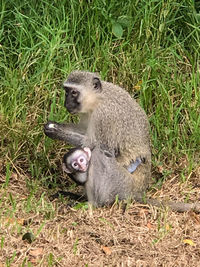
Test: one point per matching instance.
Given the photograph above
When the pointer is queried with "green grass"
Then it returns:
(155, 43)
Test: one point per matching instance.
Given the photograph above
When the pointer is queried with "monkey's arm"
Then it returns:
(70, 133)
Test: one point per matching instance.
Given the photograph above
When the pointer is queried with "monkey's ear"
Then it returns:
(65, 168)
(88, 152)
(97, 84)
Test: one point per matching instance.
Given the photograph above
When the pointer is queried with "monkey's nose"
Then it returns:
(83, 167)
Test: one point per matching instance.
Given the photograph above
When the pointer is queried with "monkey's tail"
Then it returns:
(175, 206)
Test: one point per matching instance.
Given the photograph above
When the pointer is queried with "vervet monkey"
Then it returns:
(100, 174)
(105, 180)
(109, 118)
(76, 162)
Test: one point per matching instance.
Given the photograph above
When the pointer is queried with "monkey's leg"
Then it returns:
(69, 133)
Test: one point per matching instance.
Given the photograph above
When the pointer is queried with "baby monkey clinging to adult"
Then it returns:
(76, 162)
(104, 179)
(98, 171)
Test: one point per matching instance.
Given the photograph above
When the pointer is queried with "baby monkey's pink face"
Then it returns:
(77, 161)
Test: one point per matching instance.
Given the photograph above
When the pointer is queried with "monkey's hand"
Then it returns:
(110, 153)
(87, 142)
(65, 132)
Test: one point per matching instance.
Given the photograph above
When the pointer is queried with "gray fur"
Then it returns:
(105, 180)
(114, 120)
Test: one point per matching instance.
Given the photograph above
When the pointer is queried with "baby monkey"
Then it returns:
(104, 179)
(76, 163)
(100, 174)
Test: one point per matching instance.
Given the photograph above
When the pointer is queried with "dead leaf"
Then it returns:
(36, 252)
(189, 242)
(14, 176)
(20, 221)
(160, 169)
(167, 227)
(194, 217)
(9, 221)
(143, 212)
(14, 221)
(137, 87)
(33, 260)
(150, 226)
(106, 250)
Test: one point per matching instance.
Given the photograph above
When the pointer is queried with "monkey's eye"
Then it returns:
(75, 165)
(82, 160)
(74, 93)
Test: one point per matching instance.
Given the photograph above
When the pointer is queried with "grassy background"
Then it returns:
(151, 48)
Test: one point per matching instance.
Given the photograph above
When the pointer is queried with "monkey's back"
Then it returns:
(121, 124)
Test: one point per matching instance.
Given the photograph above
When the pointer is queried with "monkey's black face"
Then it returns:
(72, 103)
(81, 92)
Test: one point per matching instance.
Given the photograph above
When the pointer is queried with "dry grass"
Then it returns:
(122, 235)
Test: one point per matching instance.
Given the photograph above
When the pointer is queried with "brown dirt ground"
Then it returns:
(131, 235)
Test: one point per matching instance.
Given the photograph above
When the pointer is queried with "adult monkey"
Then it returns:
(109, 118)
